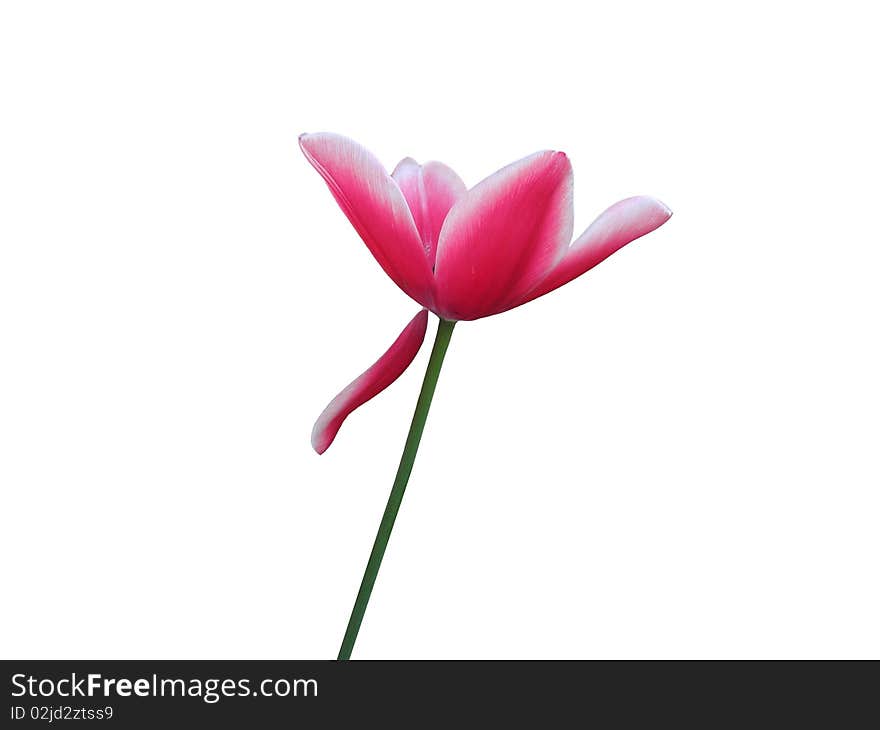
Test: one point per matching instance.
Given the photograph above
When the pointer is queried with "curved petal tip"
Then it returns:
(662, 209)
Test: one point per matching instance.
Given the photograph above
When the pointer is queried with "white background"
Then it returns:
(674, 456)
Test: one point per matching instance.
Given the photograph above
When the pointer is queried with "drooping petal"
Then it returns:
(374, 204)
(622, 223)
(430, 191)
(379, 376)
(503, 236)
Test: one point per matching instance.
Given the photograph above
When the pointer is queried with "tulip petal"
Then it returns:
(379, 376)
(619, 225)
(502, 237)
(430, 191)
(374, 204)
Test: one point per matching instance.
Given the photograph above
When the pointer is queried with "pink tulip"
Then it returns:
(462, 254)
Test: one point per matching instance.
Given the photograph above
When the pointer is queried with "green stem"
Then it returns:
(423, 405)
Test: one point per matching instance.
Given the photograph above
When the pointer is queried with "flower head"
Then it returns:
(463, 254)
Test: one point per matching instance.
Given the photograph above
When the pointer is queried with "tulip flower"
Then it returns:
(463, 255)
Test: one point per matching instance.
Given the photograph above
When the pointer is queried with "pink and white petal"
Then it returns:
(619, 225)
(443, 189)
(430, 190)
(502, 237)
(379, 376)
(406, 174)
(376, 208)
